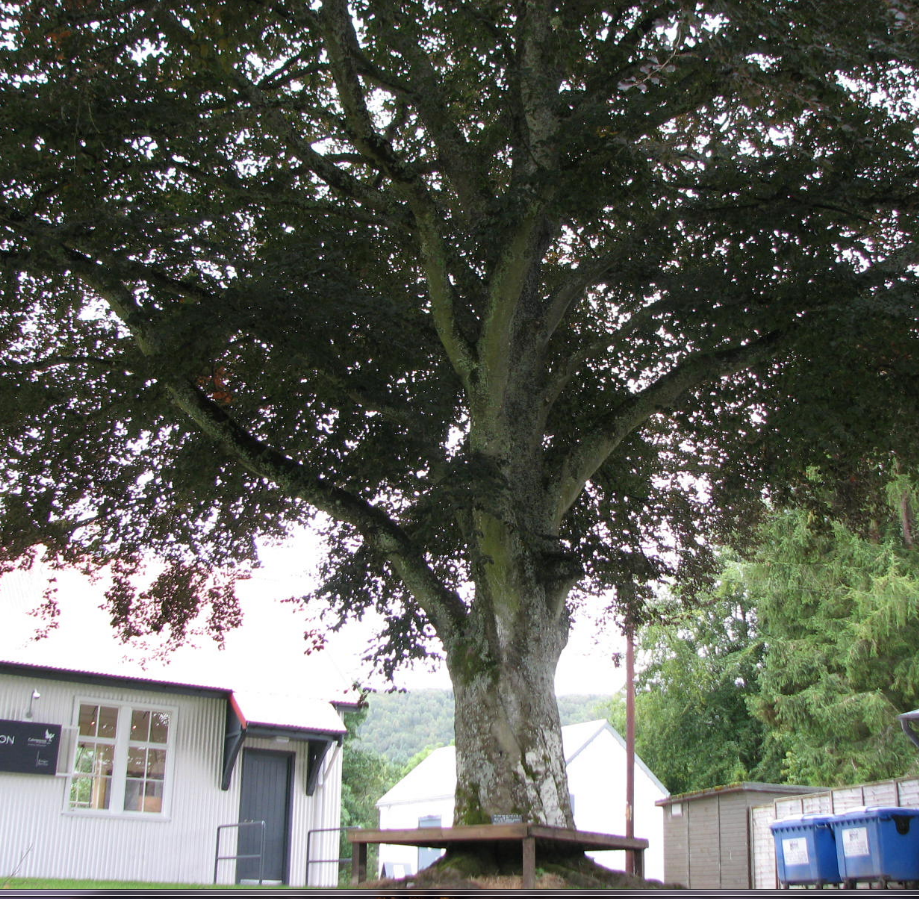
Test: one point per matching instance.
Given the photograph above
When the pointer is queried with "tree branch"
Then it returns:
(539, 81)
(588, 456)
(46, 364)
(589, 274)
(510, 284)
(342, 46)
(442, 606)
(365, 208)
(320, 165)
(86, 264)
(513, 320)
(466, 169)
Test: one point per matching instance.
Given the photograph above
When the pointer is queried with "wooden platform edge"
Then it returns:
(528, 835)
(440, 837)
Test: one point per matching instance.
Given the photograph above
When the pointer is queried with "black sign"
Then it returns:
(29, 748)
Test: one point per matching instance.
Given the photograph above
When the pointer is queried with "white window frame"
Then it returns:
(121, 743)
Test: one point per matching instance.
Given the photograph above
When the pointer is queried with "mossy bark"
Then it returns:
(509, 752)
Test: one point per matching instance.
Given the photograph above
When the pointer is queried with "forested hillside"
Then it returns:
(400, 725)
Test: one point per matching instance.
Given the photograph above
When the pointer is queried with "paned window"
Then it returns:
(91, 786)
(121, 761)
(146, 761)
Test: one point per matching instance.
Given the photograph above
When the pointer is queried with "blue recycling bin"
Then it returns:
(805, 849)
(878, 844)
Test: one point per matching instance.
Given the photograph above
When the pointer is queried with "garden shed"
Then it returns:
(120, 777)
(595, 756)
(707, 834)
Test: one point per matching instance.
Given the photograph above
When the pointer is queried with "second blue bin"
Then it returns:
(877, 844)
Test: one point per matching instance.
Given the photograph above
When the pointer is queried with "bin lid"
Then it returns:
(868, 812)
(813, 819)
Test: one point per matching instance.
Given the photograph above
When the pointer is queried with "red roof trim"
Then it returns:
(238, 712)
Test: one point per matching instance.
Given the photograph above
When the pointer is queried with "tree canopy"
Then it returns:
(524, 296)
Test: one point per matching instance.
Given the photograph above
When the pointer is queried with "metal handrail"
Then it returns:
(321, 861)
(261, 853)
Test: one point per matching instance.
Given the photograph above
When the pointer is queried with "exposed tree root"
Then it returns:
(467, 871)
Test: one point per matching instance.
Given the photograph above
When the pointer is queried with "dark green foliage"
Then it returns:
(795, 668)
(840, 622)
(723, 213)
(366, 776)
(401, 725)
(576, 708)
(524, 297)
(693, 724)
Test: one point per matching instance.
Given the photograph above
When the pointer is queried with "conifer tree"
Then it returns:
(839, 615)
(700, 672)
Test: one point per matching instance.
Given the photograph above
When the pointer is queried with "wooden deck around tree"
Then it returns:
(532, 838)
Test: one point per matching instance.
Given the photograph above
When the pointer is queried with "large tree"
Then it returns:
(527, 297)
(796, 666)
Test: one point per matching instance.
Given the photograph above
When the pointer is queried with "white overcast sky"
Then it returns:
(266, 652)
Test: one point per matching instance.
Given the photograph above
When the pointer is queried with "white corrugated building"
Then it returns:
(119, 777)
(595, 755)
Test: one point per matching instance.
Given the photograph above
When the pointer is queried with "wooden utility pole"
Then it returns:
(630, 742)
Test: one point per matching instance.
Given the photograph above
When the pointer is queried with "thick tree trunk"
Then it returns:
(508, 734)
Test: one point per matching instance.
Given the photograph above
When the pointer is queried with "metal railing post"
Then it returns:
(320, 861)
(261, 853)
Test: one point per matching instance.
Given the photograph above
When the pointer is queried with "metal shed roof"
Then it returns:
(279, 710)
(745, 787)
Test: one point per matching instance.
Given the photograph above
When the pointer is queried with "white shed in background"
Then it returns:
(595, 755)
(120, 777)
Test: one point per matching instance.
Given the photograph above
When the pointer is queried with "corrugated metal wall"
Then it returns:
(40, 837)
(889, 793)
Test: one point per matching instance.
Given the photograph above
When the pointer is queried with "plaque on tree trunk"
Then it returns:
(506, 819)
(29, 748)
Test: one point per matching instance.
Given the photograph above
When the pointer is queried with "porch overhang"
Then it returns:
(239, 729)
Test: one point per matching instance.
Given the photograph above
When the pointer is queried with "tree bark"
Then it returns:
(509, 756)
